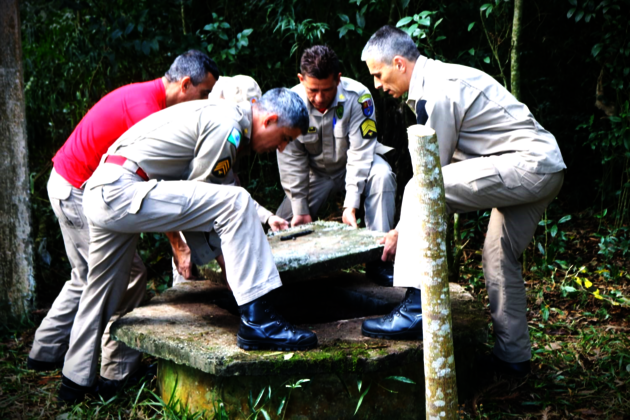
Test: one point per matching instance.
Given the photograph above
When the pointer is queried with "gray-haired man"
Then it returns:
(191, 76)
(494, 154)
(165, 174)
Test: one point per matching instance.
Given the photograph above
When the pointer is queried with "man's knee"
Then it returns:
(240, 199)
(382, 179)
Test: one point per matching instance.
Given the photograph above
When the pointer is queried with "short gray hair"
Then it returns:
(193, 64)
(289, 107)
(388, 42)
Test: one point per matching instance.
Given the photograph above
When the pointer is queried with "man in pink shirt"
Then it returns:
(191, 76)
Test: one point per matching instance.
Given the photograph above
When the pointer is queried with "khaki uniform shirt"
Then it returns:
(473, 116)
(195, 141)
(340, 141)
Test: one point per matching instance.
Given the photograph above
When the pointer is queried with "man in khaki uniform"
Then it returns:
(165, 174)
(339, 151)
(494, 154)
(204, 247)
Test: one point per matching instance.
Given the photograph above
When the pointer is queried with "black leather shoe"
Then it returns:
(403, 323)
(263, 328)
(107, 388)
(381, 273)
(515, 370)
(41, 366)
(71, 393)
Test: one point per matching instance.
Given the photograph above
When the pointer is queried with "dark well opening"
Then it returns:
(334, 297)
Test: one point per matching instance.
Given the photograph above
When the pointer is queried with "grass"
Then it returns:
(579, 327)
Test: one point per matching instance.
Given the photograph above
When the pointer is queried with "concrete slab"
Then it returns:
(196, 324)
(192, 329)
(331, 246)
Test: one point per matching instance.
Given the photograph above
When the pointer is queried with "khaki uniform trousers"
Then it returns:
(518, 199)
(119, 205)
(379, 193)
(53, 335)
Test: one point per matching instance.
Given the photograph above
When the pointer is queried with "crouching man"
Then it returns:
(339, 152)
(165, 174)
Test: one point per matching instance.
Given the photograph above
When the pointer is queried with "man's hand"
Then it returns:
(391, 241)
(350, 217)
(181, 255)
(277, 223)
(301, 219)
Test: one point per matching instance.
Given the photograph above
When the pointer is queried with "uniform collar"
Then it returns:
(416, 84)
(340, 97)
(246, 121)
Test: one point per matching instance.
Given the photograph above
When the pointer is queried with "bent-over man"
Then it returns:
(165, 174)
(494, 154)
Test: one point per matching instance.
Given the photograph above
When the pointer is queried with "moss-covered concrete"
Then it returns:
(324, 396)
(195, 325)
(193, 332)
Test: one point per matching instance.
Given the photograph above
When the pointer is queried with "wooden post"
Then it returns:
(421, 257)
(16, 270)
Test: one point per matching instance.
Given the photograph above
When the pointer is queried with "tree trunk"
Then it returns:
(421, 257)
(16, 269)
(515, 73)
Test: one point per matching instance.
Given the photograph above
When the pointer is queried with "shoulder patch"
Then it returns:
(367, 104)
(311, 130)
(339, 112)
(235, 137)
(342, 97)
(368, 129)
(222, 168)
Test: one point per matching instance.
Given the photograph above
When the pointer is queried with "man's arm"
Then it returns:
(362, 144)
(293, 165)
(181, 255)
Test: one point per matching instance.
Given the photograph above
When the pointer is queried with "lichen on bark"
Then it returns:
(421, 259)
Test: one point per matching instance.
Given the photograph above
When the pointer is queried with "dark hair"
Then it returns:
(194, 64)
(388, 42)
(287, 105)
(319, 61)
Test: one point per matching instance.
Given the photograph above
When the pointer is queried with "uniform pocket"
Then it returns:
(72, 213)
(140, 194)
(312, 144)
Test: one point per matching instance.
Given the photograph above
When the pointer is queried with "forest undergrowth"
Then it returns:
(578, 283)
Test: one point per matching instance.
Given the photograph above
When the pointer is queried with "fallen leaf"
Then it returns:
(553, 346)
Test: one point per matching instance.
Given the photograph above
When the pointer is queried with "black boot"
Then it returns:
(262, 328)
(381, 273)
(108, 388)
(41, 366)
(403, 323)
(71, 393)
(515, 370)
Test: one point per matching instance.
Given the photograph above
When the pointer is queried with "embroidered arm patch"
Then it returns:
(368, 129)
(222, 168)
(235, 137)
(367, 104)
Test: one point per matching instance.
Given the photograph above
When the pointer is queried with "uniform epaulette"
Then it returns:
(351, 85)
